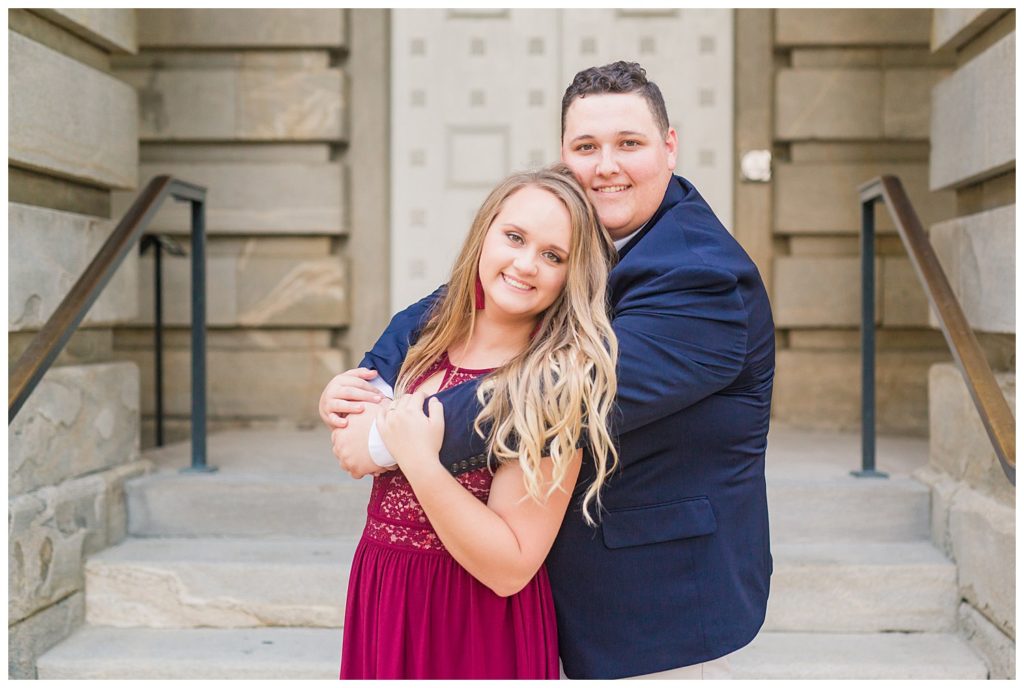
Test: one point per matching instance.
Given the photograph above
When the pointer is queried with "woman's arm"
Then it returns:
(502, 543)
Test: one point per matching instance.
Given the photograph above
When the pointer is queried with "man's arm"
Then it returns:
(682, 337)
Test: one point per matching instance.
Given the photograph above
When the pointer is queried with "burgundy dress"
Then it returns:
(413, 612)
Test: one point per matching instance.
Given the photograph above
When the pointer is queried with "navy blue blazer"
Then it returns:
(678, 570)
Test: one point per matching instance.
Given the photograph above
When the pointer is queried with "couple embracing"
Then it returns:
(567, 440)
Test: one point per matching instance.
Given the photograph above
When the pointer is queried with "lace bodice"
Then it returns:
(394, 514)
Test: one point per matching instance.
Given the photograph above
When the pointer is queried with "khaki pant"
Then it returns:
(715, 669)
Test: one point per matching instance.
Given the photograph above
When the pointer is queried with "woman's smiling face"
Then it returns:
(524, 259)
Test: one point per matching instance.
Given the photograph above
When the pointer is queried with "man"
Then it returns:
(676, 575)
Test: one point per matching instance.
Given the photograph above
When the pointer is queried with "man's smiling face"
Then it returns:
(614, 147)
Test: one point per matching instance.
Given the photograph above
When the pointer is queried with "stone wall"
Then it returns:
(851, 101)
(73, 141)
(973, 158)
(255, 106)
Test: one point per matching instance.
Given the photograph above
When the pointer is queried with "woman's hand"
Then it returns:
(412, 437)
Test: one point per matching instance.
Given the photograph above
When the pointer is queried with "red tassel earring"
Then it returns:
(479, 294)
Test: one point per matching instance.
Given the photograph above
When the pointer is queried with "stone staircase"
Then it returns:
(242, 574)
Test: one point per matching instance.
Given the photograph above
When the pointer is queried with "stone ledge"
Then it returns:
(821, 198)
(239, 105)
(110, 29)
(821, 389)
(249, 28)
(828, 104)
(254, 198)
(261, 291)
(31, 637)
(69, 120)
(967, 144)
(257, 384)
(815, 27)
(49, 250)
(977, 253)
(52, 529)
(998, 651)
(80, 419)
(959, 445)
(952, 28)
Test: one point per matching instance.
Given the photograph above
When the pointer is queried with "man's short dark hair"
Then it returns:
(617, 77)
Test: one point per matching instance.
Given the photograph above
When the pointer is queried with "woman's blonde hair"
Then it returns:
(561, 389)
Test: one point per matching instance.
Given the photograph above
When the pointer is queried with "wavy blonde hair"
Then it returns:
(560, 390)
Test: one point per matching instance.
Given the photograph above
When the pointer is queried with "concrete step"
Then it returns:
(219, 583)
(268, 484)
(861, 588)
(813, 498)
(249, 653)
(848, 509)
(857, 656)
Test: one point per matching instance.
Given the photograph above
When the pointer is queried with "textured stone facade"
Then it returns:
(73, 129)
(973, 157)
(852, 100)
(254, 106)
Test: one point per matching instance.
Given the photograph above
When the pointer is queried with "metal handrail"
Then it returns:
(988, 397)
(44, 348)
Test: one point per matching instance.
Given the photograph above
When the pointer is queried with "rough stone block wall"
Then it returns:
(73, 140)
(253, 105)
(973, 158)
(852, 101)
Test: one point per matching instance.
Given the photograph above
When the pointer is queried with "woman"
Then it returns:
(448, 580)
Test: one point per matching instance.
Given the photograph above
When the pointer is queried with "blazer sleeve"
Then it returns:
(389, 351)
(682, 337)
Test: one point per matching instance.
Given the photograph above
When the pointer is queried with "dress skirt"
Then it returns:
(413, 612)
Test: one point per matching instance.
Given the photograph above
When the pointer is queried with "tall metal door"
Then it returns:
(476, 94)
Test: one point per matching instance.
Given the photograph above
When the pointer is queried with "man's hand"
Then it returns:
(350, 447)
(347, 393)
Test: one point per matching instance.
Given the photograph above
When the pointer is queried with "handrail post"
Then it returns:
(158, 339)
(199, 339)
(867, 341)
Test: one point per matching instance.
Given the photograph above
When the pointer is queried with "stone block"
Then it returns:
(907, 104)
(117, 500)
(69, 120)
(973, 119)
(80, 419)
(253, 198)
(111, 29)
(249, 28)
(959, 445)
(30, 638)
(263, 384)
(998, 651)
(820, 291)
(821, 389)
(942, 488)
(977, 253)
(48, 533)
(291, 153)
(84, 347)
(239, 105)
(860, 151)
(852, 27)
(983, 534)
(227, 340)
(904, 303)
(252, 292)
(223, 59)
(48, 250)
(823, 198)
(835, 58)
(951, 28)
(828, 104)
